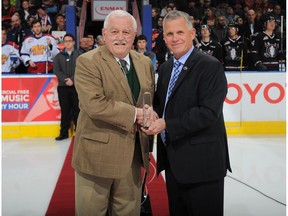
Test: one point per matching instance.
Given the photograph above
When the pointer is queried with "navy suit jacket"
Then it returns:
(196, 141)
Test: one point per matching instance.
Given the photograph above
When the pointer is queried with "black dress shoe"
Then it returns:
(61, 137)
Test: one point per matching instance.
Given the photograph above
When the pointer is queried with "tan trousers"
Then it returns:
(122, 197)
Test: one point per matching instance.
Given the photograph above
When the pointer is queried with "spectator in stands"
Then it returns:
(25, 10)
(51, 8)
(10, 54)
(15, 23)
(99, 41)
(44, 18)
(221, 28)
(156, 31)
(155, 15)
(238, 10)
(64, 69)
(39, 50)
(259, 14)
(209, 18)
(22, 21)
(265, 6)
(84, 45)
(17, 35)
(201, 7)
(192, 10)
(251, 27)
(220, 9)
(276, 13)
(170, 6)
(141, 47)
(245, 10)
(7, 12)
(249, 3)
(16, 4)
(161, 50)
(240, 22)
(234, 50)
(257, 4)
(30, 20)
(34, 4)
(207, 4)
(207, 45)
(78, 9)
(196, 24)
(91, 41)
(60, 23)
(230, 15)
(266, 46)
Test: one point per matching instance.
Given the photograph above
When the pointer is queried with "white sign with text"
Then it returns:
(100, 9)
(255, 97)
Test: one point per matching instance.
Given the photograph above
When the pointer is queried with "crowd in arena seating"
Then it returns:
(243, 34)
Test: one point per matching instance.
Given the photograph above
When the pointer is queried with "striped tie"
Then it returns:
(124, 66)
(174, 78)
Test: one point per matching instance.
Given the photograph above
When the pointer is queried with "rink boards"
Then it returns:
(255, 104)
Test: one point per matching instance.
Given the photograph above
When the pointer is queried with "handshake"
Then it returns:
(148, 119)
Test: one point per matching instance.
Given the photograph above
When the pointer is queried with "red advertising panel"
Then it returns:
(30, 99)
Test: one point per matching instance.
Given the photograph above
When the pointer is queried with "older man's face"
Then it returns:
(119, 35)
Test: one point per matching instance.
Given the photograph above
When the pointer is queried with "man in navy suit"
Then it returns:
(192, 142)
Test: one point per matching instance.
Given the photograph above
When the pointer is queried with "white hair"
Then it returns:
(120, 13)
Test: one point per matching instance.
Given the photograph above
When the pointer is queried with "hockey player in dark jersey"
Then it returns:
(234, 50)
(208, 45)
(265, 47)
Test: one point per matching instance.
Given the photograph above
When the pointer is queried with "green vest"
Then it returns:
(133, 82)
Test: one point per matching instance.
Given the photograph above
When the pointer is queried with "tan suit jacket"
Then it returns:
(106, 131)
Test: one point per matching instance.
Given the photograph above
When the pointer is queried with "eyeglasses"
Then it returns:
(68, 41)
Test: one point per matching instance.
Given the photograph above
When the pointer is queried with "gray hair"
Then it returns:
(120, 13)
(99, 37)
(176, 14)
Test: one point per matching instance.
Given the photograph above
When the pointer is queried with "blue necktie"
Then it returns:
(174, 78)
(172, 82)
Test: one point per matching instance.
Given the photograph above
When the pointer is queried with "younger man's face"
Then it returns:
(141, 44)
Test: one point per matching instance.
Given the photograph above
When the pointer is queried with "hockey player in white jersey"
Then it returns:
(10, 55)
(38, 50)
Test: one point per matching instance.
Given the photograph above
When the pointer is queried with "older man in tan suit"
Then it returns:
(110, 147)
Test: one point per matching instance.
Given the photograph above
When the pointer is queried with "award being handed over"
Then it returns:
(147, 110)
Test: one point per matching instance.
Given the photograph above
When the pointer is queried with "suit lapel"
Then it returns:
(117, 72)
(181, 77)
